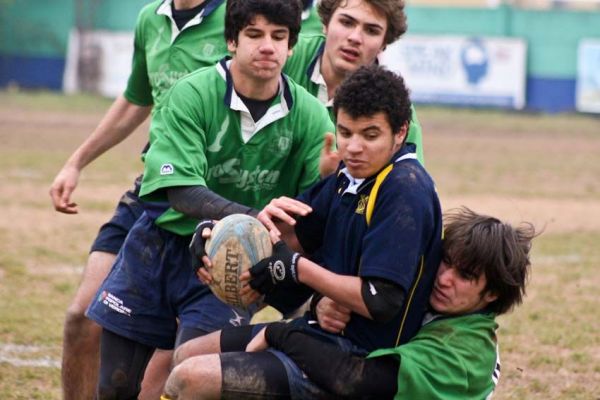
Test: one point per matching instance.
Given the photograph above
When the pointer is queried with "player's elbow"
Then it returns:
(383, 299)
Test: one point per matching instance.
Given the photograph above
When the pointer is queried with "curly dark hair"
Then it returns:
(478, 244)
(392, 9)
(240, 14)
(372, 89)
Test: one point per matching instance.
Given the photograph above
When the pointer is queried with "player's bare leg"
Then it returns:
(81, 336)
(207, 344)
(156, 375)
(195, 378)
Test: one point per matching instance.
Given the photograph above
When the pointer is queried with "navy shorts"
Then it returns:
(300, 386)
(112, 234)
(151, 285)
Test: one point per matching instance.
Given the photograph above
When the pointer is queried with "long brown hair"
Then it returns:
(478, 244)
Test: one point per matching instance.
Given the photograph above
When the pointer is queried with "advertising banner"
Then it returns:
(588, 76)
(98, 61)
(461, 70)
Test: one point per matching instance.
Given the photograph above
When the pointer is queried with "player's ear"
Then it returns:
(490, 297)
(383, 44)
(231, 46)
(400, 135)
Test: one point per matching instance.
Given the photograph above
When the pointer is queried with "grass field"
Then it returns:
(544, 169)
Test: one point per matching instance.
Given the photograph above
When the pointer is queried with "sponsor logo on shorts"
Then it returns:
(167, 169)
(114, 303)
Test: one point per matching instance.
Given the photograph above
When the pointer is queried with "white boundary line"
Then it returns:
(9, 353)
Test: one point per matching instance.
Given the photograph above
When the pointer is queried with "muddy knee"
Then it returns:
(118, 386)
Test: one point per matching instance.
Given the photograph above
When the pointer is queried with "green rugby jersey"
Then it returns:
(203, 134)
(304, 68)
(450, 358)
(163, 54)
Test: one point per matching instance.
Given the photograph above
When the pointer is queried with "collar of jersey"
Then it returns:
(433, 315)
(165, 9)
(407, 152)
(314, 74)
(305, 14)
(281, 107)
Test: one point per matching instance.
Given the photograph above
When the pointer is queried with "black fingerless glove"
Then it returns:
(198, 243)
(278, 270)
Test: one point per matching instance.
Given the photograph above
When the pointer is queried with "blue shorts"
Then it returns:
(152, 285)
(112, 234)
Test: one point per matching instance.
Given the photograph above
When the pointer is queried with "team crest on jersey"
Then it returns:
(208, 49)
(362, 204)
(213, 48)
(282, 144)
(167, 169)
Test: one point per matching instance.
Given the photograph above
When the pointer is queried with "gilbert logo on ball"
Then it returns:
(236, 243)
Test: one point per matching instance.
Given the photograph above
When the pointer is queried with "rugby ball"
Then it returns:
(236, 243)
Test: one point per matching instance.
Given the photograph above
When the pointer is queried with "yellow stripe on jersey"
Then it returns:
(373, 195)
(410, 297)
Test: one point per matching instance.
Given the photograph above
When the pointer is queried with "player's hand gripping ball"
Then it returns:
(198, 243)
(280, 269)
(236, 243)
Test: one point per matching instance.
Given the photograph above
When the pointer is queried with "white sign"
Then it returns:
(98, 61)
(588, 76)
(461, 70)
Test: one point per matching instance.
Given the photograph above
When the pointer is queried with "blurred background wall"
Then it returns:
(36, 38)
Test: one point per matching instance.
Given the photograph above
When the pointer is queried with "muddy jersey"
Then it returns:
(387, 226)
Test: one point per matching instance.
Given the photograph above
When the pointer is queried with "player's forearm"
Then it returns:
(119, 122)
(343, 289)
(202, 203)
